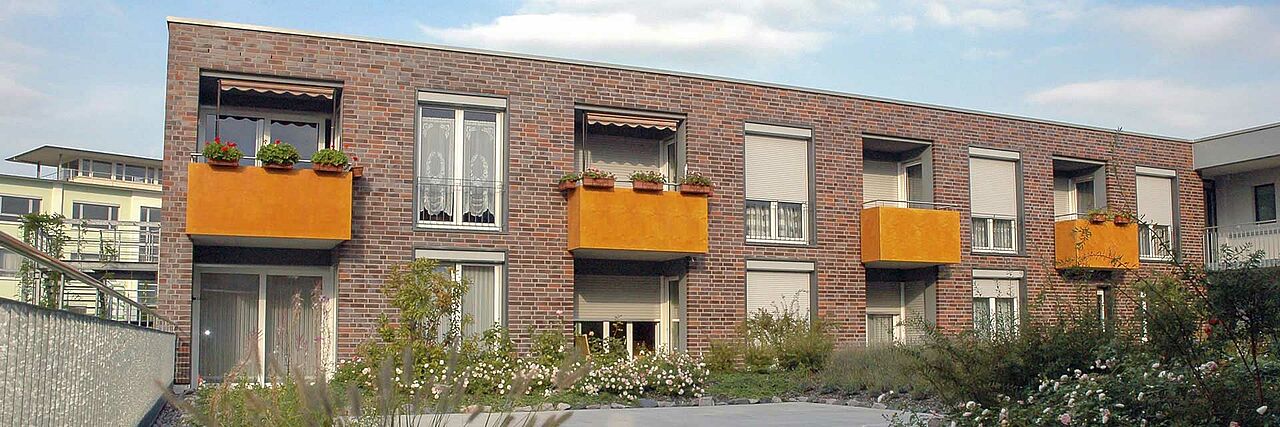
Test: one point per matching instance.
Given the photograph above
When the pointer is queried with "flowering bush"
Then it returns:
(278, 154)
(648, 176)
(224, 151)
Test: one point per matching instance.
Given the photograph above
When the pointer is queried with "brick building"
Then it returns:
(864, 211)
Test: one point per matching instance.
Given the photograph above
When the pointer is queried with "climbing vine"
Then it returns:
(46, 232)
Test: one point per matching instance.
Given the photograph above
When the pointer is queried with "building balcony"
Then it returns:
(251, 206)
(120, 244)
(904, 235)
(1081, 243)
(622, 223)
(1229, 245)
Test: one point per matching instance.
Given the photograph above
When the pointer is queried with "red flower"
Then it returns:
(1214, 321)
(217, 139)
(232, 144)
(277, 141)
(355, 159)
(224, 148)
(1208, 330)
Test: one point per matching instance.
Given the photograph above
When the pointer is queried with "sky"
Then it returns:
(91, 74)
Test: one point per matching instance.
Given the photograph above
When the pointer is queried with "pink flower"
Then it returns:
(1065, 419)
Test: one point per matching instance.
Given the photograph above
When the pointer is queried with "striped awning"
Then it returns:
(278, 88)
(631, 121)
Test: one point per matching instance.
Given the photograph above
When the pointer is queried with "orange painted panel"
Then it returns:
(1084, 244)
(622, 219)
(252, 202)
(909, 238)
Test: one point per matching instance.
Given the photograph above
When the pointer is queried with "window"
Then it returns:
(994, 201)
(149, 234)
(996, 305)
(901, 307)
(644, 312)
(10, 263)
(93, 239)
(13, 207)
(1264, 203)
(1084, 195)
(94, 212)
(1104, 305)
(1155, 209)
(913, 180)
(460, 167)
(777, 190)
(482, 305)
(777, 287)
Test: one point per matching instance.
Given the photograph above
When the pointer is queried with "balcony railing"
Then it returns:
(1106, 245)
(464, 203)
(900, 234)
(251, 206)
(112, 241)
(622, 223)
(1260, 236)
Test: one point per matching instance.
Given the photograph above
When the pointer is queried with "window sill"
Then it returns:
(990, 252)
(427, 226)
(1158, 260)
(761, 242)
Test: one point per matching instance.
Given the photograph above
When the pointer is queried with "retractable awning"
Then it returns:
(631, 121)
(277, 88)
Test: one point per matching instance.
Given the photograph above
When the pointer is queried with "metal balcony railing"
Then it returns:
(877, 203)
(465, 202)
(112, 241)
(1258, 236)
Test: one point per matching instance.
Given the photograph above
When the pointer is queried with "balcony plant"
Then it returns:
(277, 155)
(647, 181)
(1097, 216)
(222, 154)
(1123, 218)
(596, 178)
(569, 181)
(695, 183)
(330, 160)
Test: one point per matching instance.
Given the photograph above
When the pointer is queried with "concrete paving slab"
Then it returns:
(765, 414)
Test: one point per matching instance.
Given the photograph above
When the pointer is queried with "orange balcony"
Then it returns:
(621, 223)
(902, 237)
(250, 206)
(1104, 246)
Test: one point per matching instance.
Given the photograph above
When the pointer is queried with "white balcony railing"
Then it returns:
(1261, 236)
(112, 241)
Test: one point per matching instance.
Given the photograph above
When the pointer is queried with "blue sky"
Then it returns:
(91, 73)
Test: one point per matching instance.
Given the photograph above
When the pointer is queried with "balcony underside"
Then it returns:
(621, 223)
(906, 238)
(252, 207)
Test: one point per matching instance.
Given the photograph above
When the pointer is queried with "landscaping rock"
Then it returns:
(593, 406)
(522, 409)
(706, 401)
(563, 406)
(880, 406)
(852, 402)
(831, 401)
(616, 405)
(776, 399)
(753, 401)
(802, 398)
(666, 404)
(543, 407)
(647, 403)
(740, 401)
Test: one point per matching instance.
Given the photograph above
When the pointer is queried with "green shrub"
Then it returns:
(331, 157)
(278, 153)
(874, 369)
(723, 355)
(784, 338)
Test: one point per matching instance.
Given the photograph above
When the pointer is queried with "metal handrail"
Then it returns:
(909, 203)
(30, 252)
(195, 158)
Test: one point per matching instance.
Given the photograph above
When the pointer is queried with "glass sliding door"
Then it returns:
(229, 329)
(277, 317)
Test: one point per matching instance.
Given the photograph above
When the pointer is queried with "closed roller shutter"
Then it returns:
(995, 288)
(774, 290)
(777, 169)
(1155, 199)
(879, 181)
(993, 186)
(1061, 197)
(918, 310)
(616, 298)
(884, 298)
(622, 156)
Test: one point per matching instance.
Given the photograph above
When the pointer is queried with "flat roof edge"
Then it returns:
(1237, 132)
(268, 29)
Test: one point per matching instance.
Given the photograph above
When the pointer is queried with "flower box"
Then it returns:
(567, 185)
(222, 163)
(646, 186)
(278, 166)
(357, 171)
(695, 189)
(327, 168)
(1097, 218)
(598, 182)
(1122, 220)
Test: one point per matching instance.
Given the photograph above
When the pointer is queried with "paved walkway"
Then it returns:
(772, 414)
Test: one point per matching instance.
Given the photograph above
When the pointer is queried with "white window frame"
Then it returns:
(899, 317)
(773, 225)
(455, 268)
(459, 163)
(904, 190)
(1019, 276)
(1153, 239)
(1073, 193)
(991, 233)
(669, 326)
(328, 286)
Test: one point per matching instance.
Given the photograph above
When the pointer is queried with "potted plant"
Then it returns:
(356, 170)
(278, 156)
(569, 181)
(1123, 218)
(330, 160)
(596, 178)
(222, 154)
(647, 181)
(695, 183)
(1097, 216)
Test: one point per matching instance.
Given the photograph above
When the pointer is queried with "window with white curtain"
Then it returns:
(777, 190)
(482, 305)
(996, 305)
(459, 166)
(1155, 211)
(903, 305)
(994, 200)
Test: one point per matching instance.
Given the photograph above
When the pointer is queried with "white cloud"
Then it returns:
(1202, 29)
(683, 31)
(1164, 106)
(977, 15)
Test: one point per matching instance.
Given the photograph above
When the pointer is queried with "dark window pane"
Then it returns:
(135, 173)
(1264, 202)
(18, 205)
(94, 212)
(303, 135)
(101, 169)
(241, 130)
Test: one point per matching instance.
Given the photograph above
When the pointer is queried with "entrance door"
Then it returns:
(244, 313)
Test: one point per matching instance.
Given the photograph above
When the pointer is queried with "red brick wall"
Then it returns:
(380, 82)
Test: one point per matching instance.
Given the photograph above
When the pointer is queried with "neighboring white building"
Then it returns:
(111, 203)
(1241, 171)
